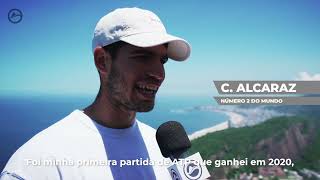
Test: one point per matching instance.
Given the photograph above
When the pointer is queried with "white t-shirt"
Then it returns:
(77, 148)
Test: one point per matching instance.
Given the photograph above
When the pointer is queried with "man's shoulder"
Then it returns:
(146, 128)
(57, 140)
(59, 133)
(68, 139)
(60, 149)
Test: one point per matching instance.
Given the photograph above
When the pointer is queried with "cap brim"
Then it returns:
(178, 48)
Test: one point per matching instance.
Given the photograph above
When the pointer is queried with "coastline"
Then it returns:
(234, 120)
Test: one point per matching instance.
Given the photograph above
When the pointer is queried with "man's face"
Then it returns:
(135, 76)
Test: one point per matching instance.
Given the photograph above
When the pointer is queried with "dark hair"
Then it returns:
(114, 48)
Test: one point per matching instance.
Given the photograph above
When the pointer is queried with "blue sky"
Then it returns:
(49, 51)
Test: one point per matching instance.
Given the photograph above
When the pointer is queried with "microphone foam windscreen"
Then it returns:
(172, 138)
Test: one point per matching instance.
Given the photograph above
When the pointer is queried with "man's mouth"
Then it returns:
(147, 90)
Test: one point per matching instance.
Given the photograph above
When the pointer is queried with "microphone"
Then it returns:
(173, 141)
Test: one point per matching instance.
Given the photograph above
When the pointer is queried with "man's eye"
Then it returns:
(164, 60)
(140, 57)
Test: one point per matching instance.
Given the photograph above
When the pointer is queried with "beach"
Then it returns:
(234, 120)
(237, 117)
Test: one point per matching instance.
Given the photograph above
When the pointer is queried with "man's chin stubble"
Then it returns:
(144, 107)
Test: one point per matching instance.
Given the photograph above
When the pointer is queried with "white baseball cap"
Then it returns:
(138, 27)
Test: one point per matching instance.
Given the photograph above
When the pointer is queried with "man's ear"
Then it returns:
(102, 60)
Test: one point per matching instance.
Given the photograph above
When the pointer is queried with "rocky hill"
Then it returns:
(297, 138)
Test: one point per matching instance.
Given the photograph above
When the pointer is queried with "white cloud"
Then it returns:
(305, 76)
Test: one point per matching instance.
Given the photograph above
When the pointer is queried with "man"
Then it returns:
(130, 46)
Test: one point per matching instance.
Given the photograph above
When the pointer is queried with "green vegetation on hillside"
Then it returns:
(241, 142)
(311, 157)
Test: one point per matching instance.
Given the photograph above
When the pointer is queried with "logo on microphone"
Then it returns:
(192, 170)
(175, 174)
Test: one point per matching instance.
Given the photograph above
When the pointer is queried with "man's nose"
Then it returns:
(157, 72)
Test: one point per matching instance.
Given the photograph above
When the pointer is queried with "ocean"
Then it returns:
(23, 117)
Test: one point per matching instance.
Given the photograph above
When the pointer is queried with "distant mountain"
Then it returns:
(306, 110)
(297, 138)
(300, 110)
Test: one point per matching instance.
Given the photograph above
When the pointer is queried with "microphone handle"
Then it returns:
(177, 155)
